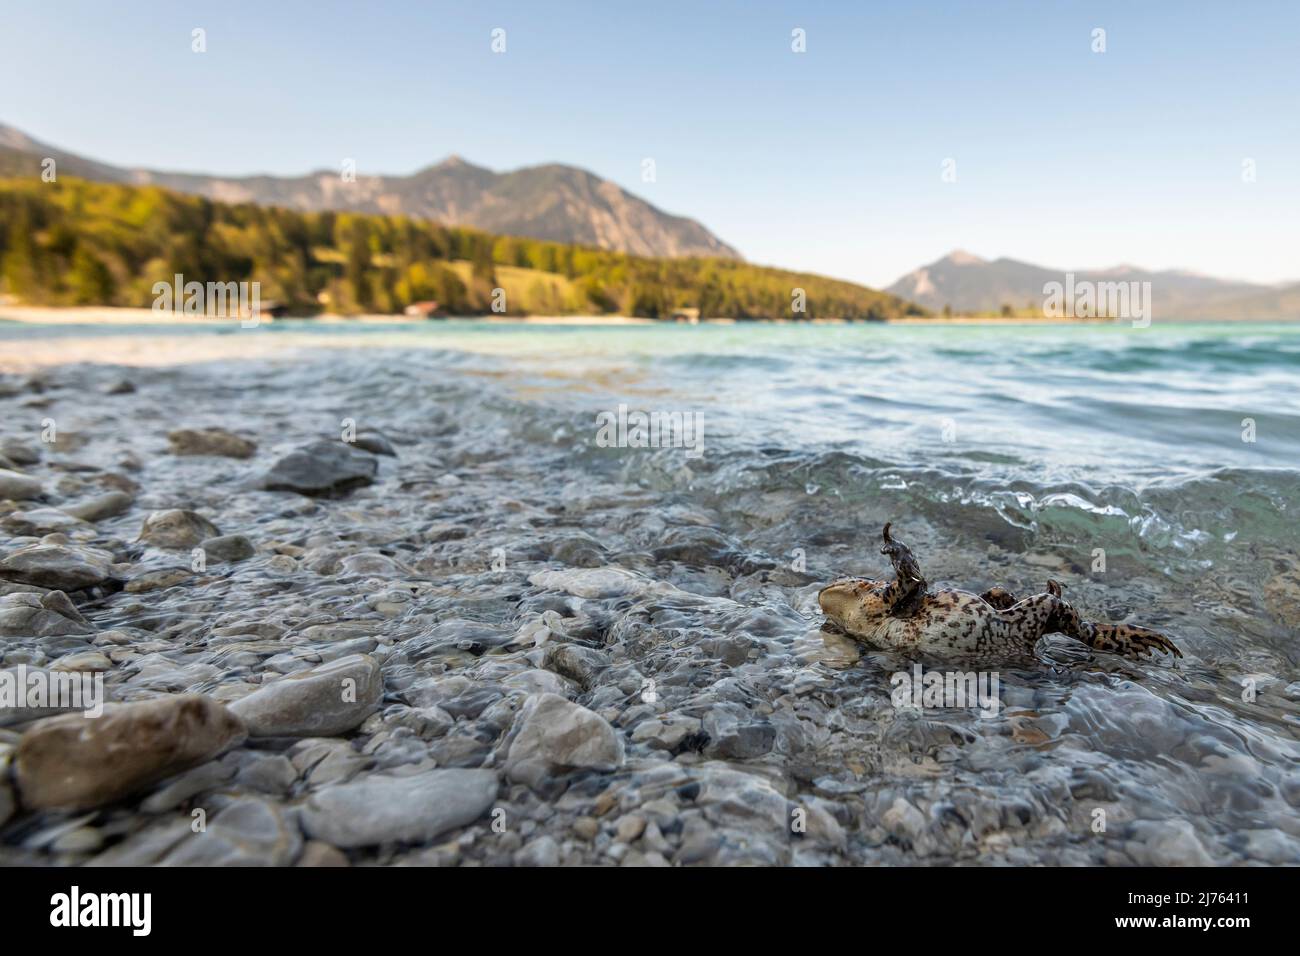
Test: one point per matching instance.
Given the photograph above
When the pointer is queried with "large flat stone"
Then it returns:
(386, 809)
(321, 469)
(210, 441)
(73, 762)
(60, 567)
(177, 529)
(321, 702)
(555, 734)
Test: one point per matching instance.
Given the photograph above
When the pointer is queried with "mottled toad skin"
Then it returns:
(902, 614)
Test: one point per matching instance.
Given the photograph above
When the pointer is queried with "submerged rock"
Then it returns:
(591, 582)
(18, 486)
(228, 547)
(176, 529)
(554, 734)
(247, 832)
(39, 522)
(61, 567)
(74, 762)
(666, 733)
(156, 580)
(737, 737)
(386, 809)
(323, 761)
(1167, 843)
(210, 441)
(542, 851)
(27, 614)
(19, 452)
(580, 664)
(108, 505)
(372, 564)
(92, 661)
(320, 702)
(321, 469)
(375, 442)
(315, 853)
(175, 791)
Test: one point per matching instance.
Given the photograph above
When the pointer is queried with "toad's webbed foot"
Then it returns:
(1131, 640)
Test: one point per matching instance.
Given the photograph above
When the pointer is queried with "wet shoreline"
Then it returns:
(561, 653)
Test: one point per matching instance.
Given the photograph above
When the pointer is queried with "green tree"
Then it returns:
(484, 270)
(358, 264)
(21, 271)
(105, 242)
(89, 279)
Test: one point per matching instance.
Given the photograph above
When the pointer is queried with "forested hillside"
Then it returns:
(75, 242)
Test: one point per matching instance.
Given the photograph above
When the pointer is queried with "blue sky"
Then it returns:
(829, 160)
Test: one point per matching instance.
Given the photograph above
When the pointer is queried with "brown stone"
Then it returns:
(210, 441)
(177, 529)
(74, 762)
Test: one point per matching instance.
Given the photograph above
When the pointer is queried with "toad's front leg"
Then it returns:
(905, 593)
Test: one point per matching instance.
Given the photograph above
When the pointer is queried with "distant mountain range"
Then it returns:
(965, 283)
(553, 202)
(569, 205)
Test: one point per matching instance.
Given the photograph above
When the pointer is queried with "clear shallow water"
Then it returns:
(1003, 454)
(1060, 398)
(1133, 435)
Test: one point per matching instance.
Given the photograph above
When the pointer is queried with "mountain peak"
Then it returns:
(553, 202)
(455, 163)
(967, 283)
